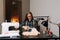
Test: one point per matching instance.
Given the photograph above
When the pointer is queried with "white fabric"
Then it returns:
(34, 32)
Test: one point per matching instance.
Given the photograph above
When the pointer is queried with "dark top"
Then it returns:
(32, 23)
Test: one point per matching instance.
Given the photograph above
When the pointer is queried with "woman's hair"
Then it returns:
(26, 18)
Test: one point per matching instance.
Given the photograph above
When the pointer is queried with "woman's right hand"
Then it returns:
(25, 27)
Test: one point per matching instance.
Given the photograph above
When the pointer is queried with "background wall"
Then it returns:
(25, 8)
(47, 8)
(2, 11)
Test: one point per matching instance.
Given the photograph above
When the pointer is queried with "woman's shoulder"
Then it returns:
(25, 20)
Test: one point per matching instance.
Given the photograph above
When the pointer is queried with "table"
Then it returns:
(41, 36)
(21, 37)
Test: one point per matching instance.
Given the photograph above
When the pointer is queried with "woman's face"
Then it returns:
(29, 16)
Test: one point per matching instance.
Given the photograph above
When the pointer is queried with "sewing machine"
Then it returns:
(5, 29)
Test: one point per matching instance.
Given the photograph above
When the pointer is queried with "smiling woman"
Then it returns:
(30, 23)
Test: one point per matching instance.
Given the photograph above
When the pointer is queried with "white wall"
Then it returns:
(47, 8)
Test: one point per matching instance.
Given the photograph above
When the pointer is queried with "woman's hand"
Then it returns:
(25, 27)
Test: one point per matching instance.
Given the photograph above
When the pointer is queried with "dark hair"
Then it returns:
(26, 18)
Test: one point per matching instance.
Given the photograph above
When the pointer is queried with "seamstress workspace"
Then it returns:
(29, 19)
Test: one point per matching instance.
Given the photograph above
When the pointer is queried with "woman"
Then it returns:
(29, 22)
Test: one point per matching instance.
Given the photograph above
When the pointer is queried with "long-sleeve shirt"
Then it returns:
(32, 23)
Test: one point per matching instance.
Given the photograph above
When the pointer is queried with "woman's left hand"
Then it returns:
(25, 27)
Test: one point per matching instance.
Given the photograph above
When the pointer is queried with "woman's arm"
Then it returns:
(24, 25)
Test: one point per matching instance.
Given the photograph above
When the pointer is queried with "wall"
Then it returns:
(1, 11)
(25, 8)
(47, 8)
